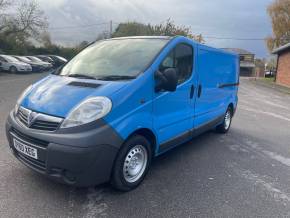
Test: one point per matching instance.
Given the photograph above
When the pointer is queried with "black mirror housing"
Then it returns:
(166, 80)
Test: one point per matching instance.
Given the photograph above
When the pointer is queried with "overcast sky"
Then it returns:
(218, 18)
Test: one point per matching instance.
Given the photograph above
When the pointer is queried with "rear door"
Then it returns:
(173, 110)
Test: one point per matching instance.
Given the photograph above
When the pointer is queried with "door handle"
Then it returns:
(199, 91)
(191, 91)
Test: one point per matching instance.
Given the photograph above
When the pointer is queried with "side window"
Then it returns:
(2, 59)
(168, 62)
(180, 58)
(183, 61)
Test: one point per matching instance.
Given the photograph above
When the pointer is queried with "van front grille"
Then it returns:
(22, 117)
(38, 121)
(44, 125)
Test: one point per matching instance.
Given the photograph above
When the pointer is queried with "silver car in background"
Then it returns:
(46, 65)
(13, 65)
(36, 67)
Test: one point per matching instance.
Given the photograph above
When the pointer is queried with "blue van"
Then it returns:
(119, 103)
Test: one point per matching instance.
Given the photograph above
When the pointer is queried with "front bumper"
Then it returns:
(74, 157)
(37, 68)
(24, 69)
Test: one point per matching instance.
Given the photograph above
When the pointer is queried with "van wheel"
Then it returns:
(13, 69)
(225, 126)
(132, 163)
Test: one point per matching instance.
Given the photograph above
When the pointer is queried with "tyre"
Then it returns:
(132, 163)
(225, 126)
(13, 69)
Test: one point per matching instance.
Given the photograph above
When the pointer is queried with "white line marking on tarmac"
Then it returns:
(278, 157)
(259, 182)
(265, 112)
(251, 146)
(271, 103)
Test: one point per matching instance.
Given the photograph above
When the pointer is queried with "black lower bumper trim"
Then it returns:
(88, 164)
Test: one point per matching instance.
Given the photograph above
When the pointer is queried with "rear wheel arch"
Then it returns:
(233, 107)
(227, 120)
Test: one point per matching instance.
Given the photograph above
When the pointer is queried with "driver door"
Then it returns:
(172, 110)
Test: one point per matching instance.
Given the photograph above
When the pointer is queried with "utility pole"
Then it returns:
(111, 28)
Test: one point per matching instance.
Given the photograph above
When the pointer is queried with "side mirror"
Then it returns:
(166, 80)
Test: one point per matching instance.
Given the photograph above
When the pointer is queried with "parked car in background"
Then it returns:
(36, 67)
(13, 65)
(58, 61)
(45, 58)
(270, 73)
(47, 65)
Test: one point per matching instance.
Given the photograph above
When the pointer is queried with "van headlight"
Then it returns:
(88, 111)
(20, 99)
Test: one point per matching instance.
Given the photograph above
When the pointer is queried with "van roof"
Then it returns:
(143, 37)
(171, 37)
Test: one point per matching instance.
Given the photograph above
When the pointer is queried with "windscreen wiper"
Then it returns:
(81, 76)
(116, 77)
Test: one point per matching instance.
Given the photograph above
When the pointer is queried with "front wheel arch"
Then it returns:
(117, 179)
(149, 135)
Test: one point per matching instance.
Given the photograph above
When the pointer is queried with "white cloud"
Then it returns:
(52, 3)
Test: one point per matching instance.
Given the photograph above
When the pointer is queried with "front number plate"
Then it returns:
(25, 149)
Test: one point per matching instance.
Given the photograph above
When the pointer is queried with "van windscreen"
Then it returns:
(114, 59)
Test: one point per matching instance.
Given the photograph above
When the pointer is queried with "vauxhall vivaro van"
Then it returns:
(120, 102)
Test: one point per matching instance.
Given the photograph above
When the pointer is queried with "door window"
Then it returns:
(180, 58)
(2, 59)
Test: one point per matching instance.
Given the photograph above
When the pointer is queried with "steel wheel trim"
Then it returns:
(227, 121)
(135, 163)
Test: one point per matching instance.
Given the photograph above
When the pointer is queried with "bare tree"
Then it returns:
(279, 12)
(28, 21)
(4, 4)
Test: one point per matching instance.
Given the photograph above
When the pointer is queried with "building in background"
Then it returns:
(283, 65)
(247, 61)
(260, 68)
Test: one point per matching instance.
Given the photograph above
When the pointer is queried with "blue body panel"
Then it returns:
(137, 106)
(54, 96)
(215, 68)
